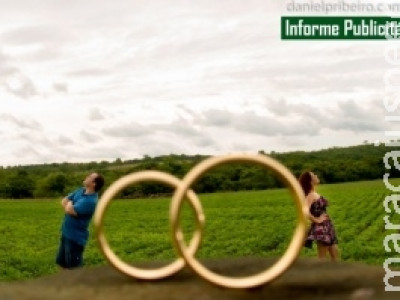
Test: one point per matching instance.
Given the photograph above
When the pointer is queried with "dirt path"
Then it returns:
(307, 279)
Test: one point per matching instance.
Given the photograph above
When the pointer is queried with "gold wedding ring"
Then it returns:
(187, 253)
(282, 264)
(113, 259)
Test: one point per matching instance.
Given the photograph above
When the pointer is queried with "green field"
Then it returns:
(256, 223)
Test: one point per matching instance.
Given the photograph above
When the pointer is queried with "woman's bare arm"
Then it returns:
(310, 200)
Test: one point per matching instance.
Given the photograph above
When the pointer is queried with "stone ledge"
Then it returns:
(307, 279)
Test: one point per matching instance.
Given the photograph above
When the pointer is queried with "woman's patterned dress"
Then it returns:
(324, 232)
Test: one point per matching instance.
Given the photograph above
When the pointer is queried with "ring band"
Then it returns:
(282, 264)
(187, 253)
(113, 259)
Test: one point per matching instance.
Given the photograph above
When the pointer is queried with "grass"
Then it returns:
(253, 223)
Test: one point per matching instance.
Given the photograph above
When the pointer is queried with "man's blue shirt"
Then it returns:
(76, 227)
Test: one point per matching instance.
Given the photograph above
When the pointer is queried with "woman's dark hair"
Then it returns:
(305, 182)
(99, 182)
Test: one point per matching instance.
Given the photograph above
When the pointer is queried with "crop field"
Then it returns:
(238, 224)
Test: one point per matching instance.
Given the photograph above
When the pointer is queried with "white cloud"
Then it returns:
(132, 129)
(14, 81)
(20, 85)
(27, 35)
(20, 123)
(95, 114)
(89, 137)
(125, 79)
(60, 87)
(64, 140)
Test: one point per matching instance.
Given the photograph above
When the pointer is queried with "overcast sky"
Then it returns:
(98, 80)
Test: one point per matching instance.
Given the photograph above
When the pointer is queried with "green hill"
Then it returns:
(337, 164)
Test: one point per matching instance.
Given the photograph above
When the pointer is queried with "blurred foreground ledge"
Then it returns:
(307, 279)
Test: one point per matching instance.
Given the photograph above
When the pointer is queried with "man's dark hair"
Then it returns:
(99, 183)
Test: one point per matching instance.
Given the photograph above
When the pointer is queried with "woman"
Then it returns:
(322, 230)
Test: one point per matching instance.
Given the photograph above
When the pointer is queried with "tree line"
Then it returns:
(337, 164)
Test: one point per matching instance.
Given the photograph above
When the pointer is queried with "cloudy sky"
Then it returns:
(98, 80)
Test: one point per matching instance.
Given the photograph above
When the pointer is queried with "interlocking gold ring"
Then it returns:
(282, 264)
(187, 252)
(114, 260)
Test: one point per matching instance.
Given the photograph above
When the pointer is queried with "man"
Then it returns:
(79, 207)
